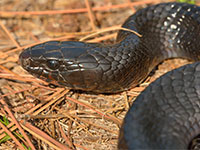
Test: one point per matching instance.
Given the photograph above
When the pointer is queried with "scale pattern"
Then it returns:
(168, 30)
(166, 115)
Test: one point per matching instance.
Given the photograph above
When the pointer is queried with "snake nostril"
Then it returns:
(24, 58)
(24, 55)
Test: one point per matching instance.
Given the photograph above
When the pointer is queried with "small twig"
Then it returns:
(90, 14)
(12, 136)
(109, 29)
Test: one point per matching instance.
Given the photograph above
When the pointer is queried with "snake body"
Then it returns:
(166, 114)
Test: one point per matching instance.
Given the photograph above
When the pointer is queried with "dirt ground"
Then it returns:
(57, 118)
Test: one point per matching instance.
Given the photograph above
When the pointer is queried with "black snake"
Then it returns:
(166, 114)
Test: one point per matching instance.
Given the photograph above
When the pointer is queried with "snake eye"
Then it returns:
(53, 64)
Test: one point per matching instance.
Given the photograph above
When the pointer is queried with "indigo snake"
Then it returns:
(166, 114)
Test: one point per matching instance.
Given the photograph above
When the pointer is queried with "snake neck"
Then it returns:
(169, 30)
(166, 33)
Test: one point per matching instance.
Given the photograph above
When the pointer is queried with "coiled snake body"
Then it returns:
(166, 114)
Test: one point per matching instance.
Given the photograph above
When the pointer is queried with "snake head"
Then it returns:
(63, 63)
(86, 66)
